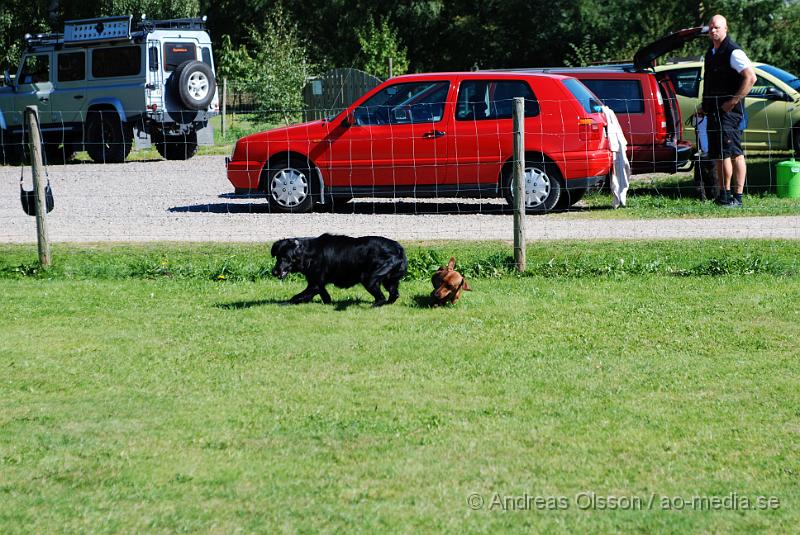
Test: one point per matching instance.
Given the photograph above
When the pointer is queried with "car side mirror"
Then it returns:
(773, 93)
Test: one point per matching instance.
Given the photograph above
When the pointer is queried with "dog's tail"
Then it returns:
(400, 268)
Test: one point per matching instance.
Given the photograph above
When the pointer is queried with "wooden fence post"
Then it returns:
(518, 185)
(35, 146)
(224, 105)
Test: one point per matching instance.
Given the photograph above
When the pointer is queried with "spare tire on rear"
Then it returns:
(194, 84)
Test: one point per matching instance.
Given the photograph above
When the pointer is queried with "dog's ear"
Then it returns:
(466, 286)
(278, 247)
(301, 255)
(452, 263)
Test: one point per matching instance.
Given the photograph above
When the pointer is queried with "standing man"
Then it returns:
(729, 76)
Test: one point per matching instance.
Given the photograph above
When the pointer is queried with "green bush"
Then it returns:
(378, 44)
(272, 67)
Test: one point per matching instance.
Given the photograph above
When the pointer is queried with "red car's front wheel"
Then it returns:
(289, 186)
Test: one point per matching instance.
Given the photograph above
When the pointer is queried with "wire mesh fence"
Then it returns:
(410, 168)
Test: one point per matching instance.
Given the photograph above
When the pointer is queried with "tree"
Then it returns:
(378, 45)
(18, 17)
(273, 66)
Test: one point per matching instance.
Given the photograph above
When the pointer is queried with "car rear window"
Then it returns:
(177, 53)
(622, 96)
(493, 99)
(587, 100)
(117, 61)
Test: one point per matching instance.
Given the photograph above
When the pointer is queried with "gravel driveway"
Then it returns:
(193, 201)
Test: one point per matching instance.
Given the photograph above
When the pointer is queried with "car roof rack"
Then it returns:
(193, 23)
(42, 39)
(103, 29)
(107, 29)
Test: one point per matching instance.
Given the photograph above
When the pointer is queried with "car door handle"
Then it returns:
(77, 97)
(44, 99)
(432, 134)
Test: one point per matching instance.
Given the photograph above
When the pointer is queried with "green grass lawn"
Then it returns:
(140, 397)
(670, 196)
(673, 196)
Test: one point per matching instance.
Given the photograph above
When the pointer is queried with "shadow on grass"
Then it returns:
(347, 303)
(422, 301)
(419, 301)
(336, 305)
(240, 305)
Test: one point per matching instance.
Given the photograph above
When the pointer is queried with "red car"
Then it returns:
(442, 134)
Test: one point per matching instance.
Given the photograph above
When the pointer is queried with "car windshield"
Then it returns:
(786, 77)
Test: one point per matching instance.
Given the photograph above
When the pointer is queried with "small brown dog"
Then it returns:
(448, 284)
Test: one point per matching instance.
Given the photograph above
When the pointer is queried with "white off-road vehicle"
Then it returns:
(106, 81)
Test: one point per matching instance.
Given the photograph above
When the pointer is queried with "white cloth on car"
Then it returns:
(621, 170)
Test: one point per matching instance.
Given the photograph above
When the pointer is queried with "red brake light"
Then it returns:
(590, 130)
(660, 118)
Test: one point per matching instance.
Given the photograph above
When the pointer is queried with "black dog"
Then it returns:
(344, 262)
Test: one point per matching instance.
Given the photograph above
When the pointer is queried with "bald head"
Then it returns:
(717, 30)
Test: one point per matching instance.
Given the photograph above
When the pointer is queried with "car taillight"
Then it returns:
(590, 130)
(660, 119)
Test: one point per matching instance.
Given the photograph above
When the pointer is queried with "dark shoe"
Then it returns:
(735, 203)
(723, 199)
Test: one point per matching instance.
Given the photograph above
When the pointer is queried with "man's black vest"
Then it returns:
(721, 81)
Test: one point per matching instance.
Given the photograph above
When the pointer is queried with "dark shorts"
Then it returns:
(725, 134)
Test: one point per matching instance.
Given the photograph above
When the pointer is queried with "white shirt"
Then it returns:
(739, 60)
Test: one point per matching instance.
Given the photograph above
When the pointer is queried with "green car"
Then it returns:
(773, 105)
